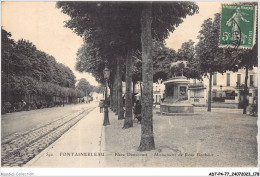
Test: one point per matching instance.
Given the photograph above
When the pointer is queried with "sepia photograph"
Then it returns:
(129, 84)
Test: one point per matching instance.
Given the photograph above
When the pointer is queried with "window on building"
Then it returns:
(214, 93)
(239, 79)
(228, 79)
(215, 79)
(251, 80)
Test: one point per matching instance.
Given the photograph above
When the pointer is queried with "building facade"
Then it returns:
(227, 89)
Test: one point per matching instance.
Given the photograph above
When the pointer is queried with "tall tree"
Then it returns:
(98, 89)
(29, 71)
(84, 86)
(115, 91)
(128, 93)
(7, 47)
(137, 66)
(247, 59)
(119, 88)
(187, 53)
(162, 59)
(147, 137)
(210, 57)
(89, 60)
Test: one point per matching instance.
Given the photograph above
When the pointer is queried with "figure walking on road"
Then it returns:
(101, 105)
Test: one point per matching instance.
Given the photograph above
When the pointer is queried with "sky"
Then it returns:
(43, 24)
(191, 25)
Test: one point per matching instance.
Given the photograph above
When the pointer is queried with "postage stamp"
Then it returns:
(237, 28)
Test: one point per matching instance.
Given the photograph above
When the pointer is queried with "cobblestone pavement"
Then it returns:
(19, 148)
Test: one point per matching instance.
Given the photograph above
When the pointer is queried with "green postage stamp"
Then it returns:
(238, 23)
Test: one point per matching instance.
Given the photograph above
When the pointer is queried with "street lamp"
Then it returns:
(239, 99)
(106, 73)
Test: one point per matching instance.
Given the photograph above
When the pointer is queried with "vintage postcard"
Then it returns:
(97, 84)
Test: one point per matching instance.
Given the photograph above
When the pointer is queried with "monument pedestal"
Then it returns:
(176, 101)
(177, 108)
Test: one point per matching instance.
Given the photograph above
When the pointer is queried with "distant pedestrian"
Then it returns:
(101, 105)
(24, 103)
(138, 110)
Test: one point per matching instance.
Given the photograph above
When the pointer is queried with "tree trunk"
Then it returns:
(245, 92)
(141, 89)
(128, 93)
(147, 138)
(133, 96)
(119, 89)
(111, 96)
(134, 88)
(116, 90)
(114, 93)
(209, 94)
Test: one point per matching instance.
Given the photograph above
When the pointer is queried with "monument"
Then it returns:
(176, 92)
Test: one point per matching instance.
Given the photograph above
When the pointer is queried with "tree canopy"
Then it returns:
(187, 53)
(162, 59)
(107, 27)
(98, 89)
(84, 86)
(210, 57)
(28, 70)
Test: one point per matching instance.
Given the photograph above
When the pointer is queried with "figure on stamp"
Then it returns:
(235, 22)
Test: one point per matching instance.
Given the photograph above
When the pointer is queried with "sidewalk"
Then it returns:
(79, 147)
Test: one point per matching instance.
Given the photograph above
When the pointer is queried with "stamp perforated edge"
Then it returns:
(255, 24)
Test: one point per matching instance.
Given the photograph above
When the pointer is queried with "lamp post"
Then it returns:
(106, 73)
(238, 87)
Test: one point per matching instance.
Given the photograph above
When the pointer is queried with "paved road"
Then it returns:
(18, 148)
(21, 121)
(81, 146)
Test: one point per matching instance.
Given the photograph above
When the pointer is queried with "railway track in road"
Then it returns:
(17, 135)
(17, 150)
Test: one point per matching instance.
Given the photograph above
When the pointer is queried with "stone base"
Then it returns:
(176, 108)
(175, 114)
